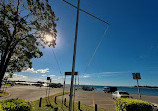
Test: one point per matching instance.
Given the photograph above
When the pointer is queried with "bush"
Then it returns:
(128, 104)
(14, 105)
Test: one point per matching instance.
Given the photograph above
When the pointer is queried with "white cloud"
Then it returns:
(99, 74)
(54, 80)
(31, 70)
(19, 77)
(44, 75)
(52, 75)
(61, 77)
(48, 75)
(25, 78)
(43, 70)
(85, 76)
(107, 73)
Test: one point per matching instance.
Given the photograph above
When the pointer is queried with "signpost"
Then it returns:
(48, 89)
(67, 74)
(70, 73)
(48, 78)
(137, 76)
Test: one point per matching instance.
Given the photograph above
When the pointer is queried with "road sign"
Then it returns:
(136, 76)
(48, 78)
(70, 73)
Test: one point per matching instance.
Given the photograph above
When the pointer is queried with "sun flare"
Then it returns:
(48, 38)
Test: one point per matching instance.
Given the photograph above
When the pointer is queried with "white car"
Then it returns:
(120, 94)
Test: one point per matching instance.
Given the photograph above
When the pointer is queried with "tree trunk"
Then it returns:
(3, 62)
(1, 78)
(3, 67)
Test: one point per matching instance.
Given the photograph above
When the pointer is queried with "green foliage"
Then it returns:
(23, 27)
(129, 104)
(3, 93)
(15, 105)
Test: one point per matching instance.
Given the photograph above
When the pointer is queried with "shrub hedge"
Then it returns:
(129, 104)
(15, 105)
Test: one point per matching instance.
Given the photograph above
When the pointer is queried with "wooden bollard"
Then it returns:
(56, 109)
(65, 102)
(40, 102)
(79, 105)
(95, 107)
(55, 100)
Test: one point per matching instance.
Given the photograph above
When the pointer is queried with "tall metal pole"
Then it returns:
(74, 57)
(63, 91)
(74, 94)
(138, 89)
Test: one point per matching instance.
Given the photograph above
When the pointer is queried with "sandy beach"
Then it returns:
(103, 100)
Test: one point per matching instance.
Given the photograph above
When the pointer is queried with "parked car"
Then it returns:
(87, 88)
(12, 84)
(121, 94)
(109, 89)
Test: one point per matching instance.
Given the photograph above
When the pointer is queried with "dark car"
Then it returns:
(87, 88)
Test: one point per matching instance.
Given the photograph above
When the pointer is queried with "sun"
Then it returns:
(48, 38)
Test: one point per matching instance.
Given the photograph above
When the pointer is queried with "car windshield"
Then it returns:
(123, 93)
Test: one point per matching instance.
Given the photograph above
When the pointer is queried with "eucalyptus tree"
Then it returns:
(23, 27)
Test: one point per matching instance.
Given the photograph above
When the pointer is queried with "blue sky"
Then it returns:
(130, 44)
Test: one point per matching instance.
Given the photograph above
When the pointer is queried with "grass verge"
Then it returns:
(50, 105)
(3, 94)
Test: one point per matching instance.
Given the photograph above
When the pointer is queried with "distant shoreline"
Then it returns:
(150, 87)
(123, 86)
